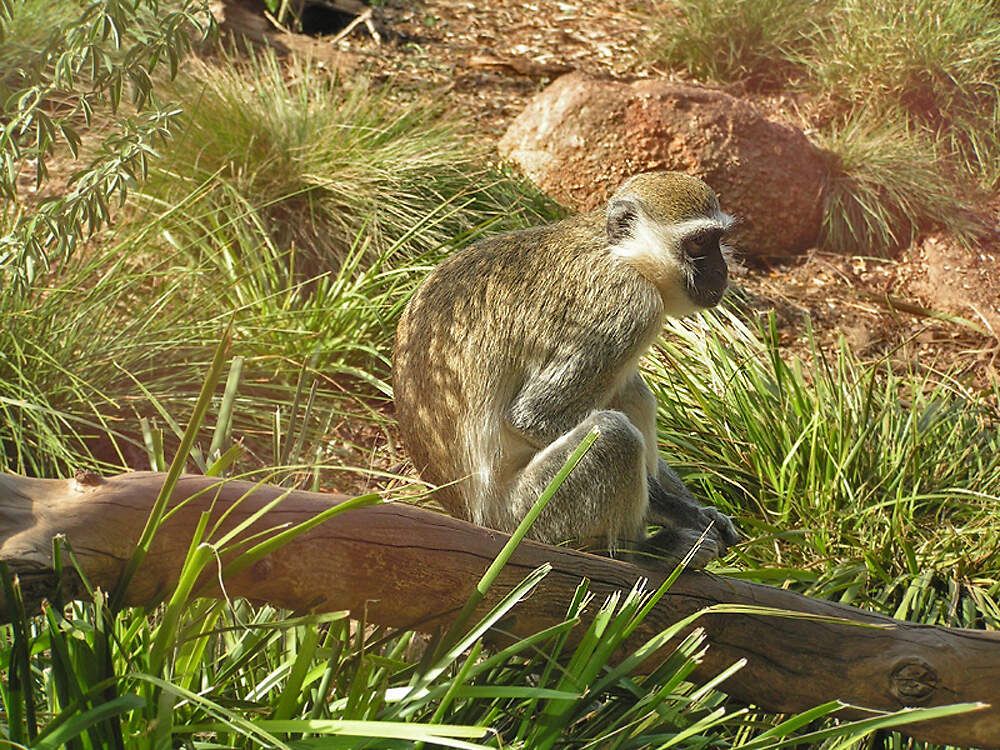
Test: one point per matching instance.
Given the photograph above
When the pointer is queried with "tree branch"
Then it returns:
(407, 567)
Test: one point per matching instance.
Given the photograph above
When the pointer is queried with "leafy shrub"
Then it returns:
(64, 77)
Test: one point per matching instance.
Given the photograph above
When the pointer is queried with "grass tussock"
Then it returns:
(910, 101)
(885, 186)
(120, 337)
(319, 160)
(936, 63)
(768, 51)
(68, 351)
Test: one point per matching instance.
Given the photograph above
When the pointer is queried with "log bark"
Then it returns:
(407, 567)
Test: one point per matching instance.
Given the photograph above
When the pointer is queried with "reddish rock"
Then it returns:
(580, 138)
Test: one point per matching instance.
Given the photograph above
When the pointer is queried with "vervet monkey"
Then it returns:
(514, 348)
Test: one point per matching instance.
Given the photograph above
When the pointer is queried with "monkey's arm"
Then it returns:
(539, 416)
(553, 403)
(574, 381)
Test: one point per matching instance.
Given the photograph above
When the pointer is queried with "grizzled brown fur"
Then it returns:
(514, 348)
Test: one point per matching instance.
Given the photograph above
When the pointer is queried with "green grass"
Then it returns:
(886, 185)
(68, 352)
(759, 43)
(122, 333)
(304, 206)
(867, 483)
(936, 63)
(206, 674)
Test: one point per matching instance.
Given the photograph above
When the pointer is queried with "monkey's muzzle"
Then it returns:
(709, 279)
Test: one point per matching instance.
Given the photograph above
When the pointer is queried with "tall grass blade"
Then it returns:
(174, 473)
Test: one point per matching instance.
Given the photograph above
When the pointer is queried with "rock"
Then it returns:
(581, 137)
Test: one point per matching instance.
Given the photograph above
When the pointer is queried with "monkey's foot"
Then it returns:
(669, 546)
(723, 527)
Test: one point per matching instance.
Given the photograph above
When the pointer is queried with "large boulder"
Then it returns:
(581, 137)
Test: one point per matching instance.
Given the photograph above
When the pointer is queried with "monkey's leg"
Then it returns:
(671, 504)
(603, 500)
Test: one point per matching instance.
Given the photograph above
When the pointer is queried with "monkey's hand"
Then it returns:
(686, 524)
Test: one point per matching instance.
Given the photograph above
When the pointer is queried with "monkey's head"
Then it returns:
(669, 226)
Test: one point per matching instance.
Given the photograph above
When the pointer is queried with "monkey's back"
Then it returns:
(481, 325)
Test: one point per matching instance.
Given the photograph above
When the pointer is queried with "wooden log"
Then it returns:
(408, 567)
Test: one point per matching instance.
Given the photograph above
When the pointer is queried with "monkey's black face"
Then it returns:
(709, 274)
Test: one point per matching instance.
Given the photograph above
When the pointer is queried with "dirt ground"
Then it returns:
(936, 302)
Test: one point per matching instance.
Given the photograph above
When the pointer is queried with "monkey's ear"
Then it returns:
(622, 215)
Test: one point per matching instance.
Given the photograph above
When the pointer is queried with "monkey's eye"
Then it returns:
(703, 241)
